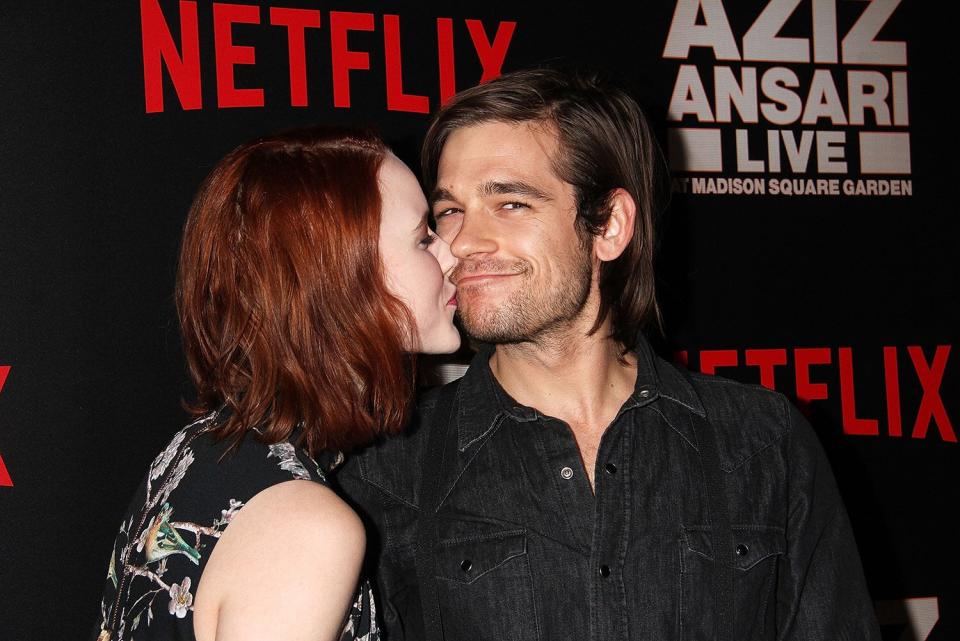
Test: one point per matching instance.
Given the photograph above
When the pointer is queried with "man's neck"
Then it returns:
(577, 378)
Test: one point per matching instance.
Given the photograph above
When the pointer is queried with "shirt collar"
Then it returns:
(482, 402)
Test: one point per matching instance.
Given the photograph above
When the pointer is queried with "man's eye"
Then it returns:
(515, 205)
(443, 213)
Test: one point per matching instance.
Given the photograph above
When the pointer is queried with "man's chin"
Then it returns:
(475, 328)
(490, 332)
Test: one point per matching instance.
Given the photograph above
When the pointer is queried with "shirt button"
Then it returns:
(610, 468)
(604, 571)
(466, 565)
(742, 550)
(643, 392)
(567, 473)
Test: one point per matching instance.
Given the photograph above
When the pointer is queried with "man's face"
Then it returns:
(523, 272)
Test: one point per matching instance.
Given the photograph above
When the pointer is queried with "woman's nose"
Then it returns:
(446, 259)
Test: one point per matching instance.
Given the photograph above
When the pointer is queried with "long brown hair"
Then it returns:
(283, 307)
(605, 143)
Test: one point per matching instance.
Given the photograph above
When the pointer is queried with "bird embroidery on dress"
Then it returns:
(162, 540)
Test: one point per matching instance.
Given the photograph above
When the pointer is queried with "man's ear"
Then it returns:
(610, 243)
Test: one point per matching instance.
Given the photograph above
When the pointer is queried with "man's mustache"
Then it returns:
(466, 269)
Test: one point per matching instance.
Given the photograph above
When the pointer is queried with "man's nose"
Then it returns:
(475, 236)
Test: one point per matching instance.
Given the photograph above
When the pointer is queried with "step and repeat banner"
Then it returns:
(810, 244)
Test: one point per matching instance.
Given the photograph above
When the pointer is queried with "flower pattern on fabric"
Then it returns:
(157, 558)
(163, 459)
(362, 620)
(288, 460)
(227, 515)
(180, 598)
(174, 479)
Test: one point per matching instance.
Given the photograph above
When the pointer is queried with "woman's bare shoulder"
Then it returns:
(288, 564)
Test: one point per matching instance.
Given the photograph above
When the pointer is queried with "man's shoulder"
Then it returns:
(392, 465)
(428, 400)
(726, 400)
(747, 418)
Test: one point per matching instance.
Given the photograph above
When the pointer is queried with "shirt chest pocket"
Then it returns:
(485, 587)
(755, 562)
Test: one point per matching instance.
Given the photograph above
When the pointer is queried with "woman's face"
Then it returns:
(416, 261)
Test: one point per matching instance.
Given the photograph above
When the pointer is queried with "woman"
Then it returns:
(308, 277)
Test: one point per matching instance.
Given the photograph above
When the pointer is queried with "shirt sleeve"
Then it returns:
(822, 592)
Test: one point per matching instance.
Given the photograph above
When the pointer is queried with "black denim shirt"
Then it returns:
(527, 551)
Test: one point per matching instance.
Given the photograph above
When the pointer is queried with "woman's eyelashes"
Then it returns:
(428, 239)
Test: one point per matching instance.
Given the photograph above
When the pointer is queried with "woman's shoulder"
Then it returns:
(195, 488)
(242, 464)
(288, 565)
(310, 514)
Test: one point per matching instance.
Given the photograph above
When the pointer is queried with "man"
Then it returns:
(573, 485)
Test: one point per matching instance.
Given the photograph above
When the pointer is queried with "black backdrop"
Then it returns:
(846, 301)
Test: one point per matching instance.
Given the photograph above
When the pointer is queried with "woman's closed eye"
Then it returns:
(427, 240)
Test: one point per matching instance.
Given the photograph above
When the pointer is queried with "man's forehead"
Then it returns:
(496, 151)
(538, 134)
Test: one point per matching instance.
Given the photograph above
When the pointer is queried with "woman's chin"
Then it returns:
(446, 343)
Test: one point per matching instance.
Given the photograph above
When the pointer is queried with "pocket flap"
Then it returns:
(752, 543)
(466, 559)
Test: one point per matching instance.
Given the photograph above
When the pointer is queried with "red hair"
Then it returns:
(283, 306)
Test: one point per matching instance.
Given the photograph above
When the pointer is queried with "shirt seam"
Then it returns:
(674, 428)
(383, 490)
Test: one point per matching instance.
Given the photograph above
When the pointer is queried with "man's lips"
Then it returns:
(473, 279)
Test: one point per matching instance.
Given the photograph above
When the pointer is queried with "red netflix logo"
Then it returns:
(928, 372)
(182, 61)
(5, 480)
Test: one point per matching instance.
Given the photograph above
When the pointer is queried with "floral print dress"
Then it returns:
(187, 499)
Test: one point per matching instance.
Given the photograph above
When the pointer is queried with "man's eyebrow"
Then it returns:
(495, 188)
(517, 187)
(439, 194)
